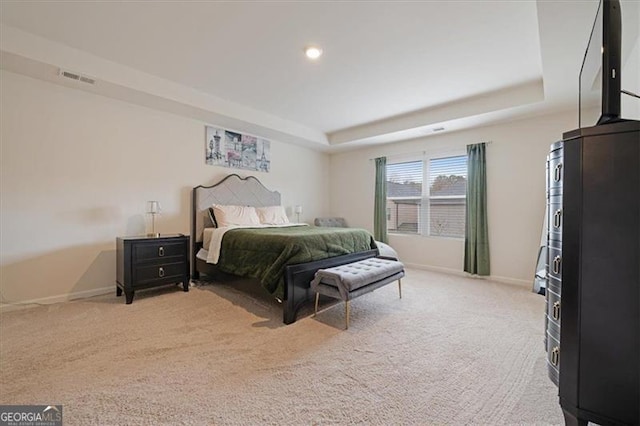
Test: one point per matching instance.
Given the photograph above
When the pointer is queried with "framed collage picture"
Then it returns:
(228, 148)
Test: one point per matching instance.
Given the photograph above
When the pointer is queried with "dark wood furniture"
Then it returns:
(145, 262)
(597, 276)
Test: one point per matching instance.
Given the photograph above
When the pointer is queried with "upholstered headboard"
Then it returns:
(232, 190)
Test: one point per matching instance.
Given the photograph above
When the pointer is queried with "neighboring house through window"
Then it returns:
(427, 191)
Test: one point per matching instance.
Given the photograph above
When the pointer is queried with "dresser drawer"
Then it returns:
(158, 250)
(553, 351)
(555, 172)
(553, 305)
(157, 273)
(554, 261)
(555, 218)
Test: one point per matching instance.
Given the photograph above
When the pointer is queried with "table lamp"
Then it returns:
(153, 208)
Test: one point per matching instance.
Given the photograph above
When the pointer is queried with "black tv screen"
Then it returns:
(599, 86)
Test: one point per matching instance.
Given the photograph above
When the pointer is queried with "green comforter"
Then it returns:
(263, 253)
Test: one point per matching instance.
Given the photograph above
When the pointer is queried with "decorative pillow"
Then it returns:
(235, 215)
(212, 217)
(272, 215)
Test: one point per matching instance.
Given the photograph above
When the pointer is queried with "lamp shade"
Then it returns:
(153, 207)
(298, 210)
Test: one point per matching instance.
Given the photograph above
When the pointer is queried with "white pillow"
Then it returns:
(235, 215)
(272, 215)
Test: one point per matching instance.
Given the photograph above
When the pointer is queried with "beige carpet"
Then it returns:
(453, 351)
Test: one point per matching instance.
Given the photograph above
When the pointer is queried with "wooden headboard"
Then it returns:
(232, 190)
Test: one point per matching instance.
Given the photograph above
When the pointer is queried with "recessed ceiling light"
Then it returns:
(313, 52)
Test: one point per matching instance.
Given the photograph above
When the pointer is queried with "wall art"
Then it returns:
(232, 149)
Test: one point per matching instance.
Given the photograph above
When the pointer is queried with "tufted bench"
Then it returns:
(349, 281)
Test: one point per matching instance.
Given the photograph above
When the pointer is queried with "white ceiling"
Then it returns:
(390, 70)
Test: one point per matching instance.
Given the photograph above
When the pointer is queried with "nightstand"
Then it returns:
(145, 262)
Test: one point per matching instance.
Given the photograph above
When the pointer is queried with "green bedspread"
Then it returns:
(263, 253)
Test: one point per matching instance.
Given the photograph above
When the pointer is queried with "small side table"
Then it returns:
(145, 262)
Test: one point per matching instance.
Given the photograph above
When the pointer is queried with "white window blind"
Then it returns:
(427, 191)
(447, 196)
(404, 196)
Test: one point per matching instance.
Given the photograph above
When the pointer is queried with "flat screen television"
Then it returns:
(600, 72)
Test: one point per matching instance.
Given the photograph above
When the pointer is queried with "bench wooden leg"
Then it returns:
(315, 311)
(346, 313)
(400, 288)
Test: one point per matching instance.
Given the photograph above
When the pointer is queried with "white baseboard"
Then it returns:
(435, 269)
(514, 281)
(12, 306)
(496, 278)
(6, 307)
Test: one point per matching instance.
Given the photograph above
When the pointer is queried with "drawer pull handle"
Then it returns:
(557, 218)
(556, 264)
(160, 251)
(557, 173)
(161, 272)
(555, 356)
(556, 310)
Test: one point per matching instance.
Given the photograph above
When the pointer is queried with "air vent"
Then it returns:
(70, 75)
(77, 77)
(438, 129)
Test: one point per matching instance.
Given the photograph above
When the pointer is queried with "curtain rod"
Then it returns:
(423, 152)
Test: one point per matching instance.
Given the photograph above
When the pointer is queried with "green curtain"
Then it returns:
(476, 244)
(380, 205)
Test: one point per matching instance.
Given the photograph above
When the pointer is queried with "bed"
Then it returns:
(283, 260)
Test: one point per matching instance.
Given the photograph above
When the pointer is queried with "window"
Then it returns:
(427, 191)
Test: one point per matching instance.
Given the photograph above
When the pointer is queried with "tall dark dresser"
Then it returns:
(593, 297)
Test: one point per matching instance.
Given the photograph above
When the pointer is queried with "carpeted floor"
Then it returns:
(452, 351)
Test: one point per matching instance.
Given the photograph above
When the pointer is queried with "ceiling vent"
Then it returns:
(77, 77)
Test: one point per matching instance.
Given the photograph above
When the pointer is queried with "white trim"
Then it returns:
(13, 306)
(496, 278)
(513, 281)
(434, 268)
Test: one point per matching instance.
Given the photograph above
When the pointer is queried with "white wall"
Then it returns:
(77, 169)
(516, 193)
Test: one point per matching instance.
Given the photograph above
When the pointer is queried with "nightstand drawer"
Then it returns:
(158, 250)
(169, 272)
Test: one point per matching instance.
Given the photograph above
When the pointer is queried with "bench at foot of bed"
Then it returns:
(354, 279)
(298, 278)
